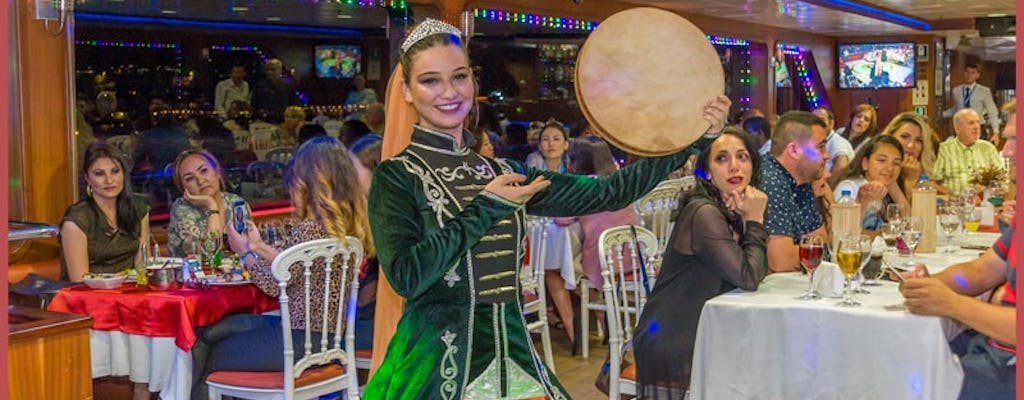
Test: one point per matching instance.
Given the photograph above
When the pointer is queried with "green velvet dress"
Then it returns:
(453, 251)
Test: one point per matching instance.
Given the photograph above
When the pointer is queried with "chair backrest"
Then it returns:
(656, 207)
(624, 287)
(279, 154)
(532, 276)
(242, 138)
(262, 138)
(341, 264)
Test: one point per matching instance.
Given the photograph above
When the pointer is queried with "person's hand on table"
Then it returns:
(928, 296)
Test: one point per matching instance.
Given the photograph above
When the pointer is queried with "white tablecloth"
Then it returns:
(767, 345)
(156, 360)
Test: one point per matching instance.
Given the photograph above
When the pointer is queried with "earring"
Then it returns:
(88, 190)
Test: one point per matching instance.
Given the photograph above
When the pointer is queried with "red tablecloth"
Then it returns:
(175, 313)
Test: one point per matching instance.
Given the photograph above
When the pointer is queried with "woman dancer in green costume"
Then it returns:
(449, 228)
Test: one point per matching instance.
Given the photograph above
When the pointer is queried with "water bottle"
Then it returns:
(846, 218)
(922, 205)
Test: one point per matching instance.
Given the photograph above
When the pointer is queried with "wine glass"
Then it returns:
(894, 213)
(811, 252)
(911, 235)
(849, 257)
(865, 257)
(890, 231)
(972, 220)
(949, 220)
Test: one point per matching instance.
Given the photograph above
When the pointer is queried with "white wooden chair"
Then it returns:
(533, 287)
(611, 238)
(315, 373)
(655, 210)
(624, 296)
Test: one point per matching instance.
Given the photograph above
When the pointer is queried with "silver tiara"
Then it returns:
(426, 28)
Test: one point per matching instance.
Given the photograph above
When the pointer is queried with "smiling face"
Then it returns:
(729, 164)
(198, 177)
(912, 139)
(553, 143)
(106, 178)
(883, 164)
(441, 88)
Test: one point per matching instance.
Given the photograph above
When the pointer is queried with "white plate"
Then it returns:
(227, 283)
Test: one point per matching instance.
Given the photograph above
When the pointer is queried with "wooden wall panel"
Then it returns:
(43, 64)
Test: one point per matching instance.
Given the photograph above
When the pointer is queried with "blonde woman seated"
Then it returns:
(873, 179)
(204, 207)
(916, 136)
(328, 202)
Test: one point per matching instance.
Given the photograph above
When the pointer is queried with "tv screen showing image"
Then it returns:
(876, 65)
(337, 61)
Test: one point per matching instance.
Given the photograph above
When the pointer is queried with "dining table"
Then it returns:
(767, 344)
(147, 334)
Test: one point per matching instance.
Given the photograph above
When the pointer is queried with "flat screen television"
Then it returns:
(337, 61)
(876, 65)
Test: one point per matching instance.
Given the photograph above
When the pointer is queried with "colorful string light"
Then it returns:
(234, 48)
(368, 3)
(804, 76)
(727, 41)
(139, 45)
(534, 20)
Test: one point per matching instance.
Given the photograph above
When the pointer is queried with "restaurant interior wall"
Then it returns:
(890, 101)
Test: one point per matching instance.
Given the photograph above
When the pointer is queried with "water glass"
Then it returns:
(911, 235)
(894, 213)
(949, 220)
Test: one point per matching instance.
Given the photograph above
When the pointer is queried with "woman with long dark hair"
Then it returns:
(101, 234)
(717, 245)
(874, 180)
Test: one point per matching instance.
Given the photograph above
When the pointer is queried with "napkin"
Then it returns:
(829, 280)
(878, 246)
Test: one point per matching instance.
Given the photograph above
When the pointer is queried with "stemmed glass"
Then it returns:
(949, 220)
(865, 257)
(849, 257)
(811, 252)
(911, 235)
(890, 232)
(210, 246)
(894, 213)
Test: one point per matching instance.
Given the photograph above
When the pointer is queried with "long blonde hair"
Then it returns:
(927, 157)
(324, 187)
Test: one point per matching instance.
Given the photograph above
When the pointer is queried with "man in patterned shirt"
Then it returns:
(965, 155)
(797, 158)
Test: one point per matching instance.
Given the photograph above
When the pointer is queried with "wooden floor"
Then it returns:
(575, 373)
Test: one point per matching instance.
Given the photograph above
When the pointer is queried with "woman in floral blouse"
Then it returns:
(204, 205)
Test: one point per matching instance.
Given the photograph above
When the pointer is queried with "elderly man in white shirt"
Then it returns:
(230, 90)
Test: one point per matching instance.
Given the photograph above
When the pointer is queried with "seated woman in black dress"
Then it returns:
(717, 245)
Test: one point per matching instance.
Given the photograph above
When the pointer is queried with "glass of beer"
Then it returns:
(850, 254)
(811, 252)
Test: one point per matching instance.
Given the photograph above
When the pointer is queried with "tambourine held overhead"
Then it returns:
(643, 78)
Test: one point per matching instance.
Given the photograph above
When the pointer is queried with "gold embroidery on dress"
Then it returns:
(497, 276)
(493, 254)
(497, 290)
(492, 238)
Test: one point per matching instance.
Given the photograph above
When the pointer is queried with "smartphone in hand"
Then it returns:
(238, 216)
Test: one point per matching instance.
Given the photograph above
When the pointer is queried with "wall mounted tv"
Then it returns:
(337, 61)
(876, 65)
